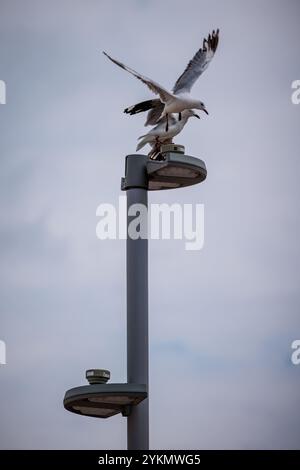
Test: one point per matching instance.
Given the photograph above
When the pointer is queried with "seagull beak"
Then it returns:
(205, 110)
(196, 115)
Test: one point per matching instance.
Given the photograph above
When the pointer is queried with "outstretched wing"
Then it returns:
(154, 107)
(164, 94)
(154, 113)
(198, 64)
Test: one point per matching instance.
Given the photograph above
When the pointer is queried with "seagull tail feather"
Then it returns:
(142, 143)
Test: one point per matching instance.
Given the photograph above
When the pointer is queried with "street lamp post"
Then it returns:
(102, 400)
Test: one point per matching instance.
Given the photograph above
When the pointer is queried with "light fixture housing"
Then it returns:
(174, 170)
(97, 376)
(104, 400)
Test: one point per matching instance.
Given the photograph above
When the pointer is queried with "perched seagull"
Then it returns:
(179, 99)
(158, 135)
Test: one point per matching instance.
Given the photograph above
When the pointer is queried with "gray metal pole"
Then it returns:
(135, 184)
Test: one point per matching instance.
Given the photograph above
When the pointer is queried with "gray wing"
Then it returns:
(141, 107)
(164, 94)
(198, 64)
(155, 151)
(154, 113)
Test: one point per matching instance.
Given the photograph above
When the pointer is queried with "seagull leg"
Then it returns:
(179, 116)
(167, 124)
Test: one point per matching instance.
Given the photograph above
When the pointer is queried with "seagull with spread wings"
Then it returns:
(180, 98)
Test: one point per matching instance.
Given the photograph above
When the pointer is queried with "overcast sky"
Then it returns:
(222, 319)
